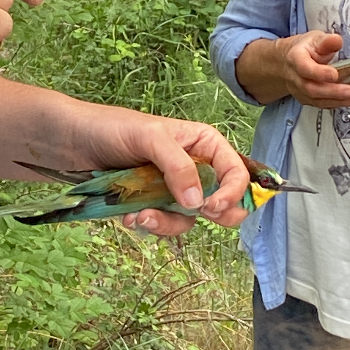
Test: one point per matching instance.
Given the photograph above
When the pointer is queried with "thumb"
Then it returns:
(181, 177)
(327, 46)
(180, 172)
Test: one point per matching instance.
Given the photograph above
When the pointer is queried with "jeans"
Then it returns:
(293, 325)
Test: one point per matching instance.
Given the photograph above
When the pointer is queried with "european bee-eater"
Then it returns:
(104, 194)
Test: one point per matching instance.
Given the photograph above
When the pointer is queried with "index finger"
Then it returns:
(309, 69)
(233, 177)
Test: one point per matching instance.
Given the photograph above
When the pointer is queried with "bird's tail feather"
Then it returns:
(86, 209)
(69, 177)
(29, 209)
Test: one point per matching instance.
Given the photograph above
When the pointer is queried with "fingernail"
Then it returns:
(220, 205)
(214, 214)
(211, 214)
(132, 225)
(193, 198)
(150, 223)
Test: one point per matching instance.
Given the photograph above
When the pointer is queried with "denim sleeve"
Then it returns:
(243, 22)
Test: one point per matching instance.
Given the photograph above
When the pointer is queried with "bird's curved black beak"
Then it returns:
(288, 186)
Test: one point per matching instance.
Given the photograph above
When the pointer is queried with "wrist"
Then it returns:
(281, 49)
(260, 70)
(103, 136)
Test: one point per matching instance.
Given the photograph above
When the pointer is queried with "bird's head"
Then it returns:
(266, 183)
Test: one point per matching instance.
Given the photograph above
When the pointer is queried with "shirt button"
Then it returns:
(290, 122)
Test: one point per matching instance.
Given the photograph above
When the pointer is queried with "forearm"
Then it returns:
(260, 69)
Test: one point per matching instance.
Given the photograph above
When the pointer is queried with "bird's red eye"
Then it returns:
(265, 181)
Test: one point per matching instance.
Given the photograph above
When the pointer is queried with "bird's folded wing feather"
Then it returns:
(127, 183)
(42, 206)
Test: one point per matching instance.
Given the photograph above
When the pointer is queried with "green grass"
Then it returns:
(96, 285)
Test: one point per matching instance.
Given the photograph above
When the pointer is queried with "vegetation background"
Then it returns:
(96, 285)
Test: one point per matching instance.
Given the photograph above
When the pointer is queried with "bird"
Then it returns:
(104, 194)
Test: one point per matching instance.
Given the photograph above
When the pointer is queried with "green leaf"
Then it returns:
(19, 305)
(77, 308)
(99, 240)
(78, 235)
(59, 262)
(115, 58)
(4, 197)
(18, 326)
(31, 262)
(62, 326)
(6, 263)
(45, 286)
(3, 226)
(108, 42)
(16, 226)
(97, 306)
(27, 280)
(144, 307)
(84, 16)
(86, 336)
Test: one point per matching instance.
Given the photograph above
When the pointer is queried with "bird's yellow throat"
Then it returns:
(261, 195)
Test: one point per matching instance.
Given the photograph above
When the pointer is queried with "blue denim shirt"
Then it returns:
(264, 233)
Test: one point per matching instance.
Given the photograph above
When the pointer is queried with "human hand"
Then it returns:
(6, 20)
(308, 77)
(118, 137)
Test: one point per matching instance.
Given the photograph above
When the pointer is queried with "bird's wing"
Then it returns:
(127, 182)
(119, 193)
(109, 195)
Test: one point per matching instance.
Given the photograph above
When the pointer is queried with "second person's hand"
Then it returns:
(308, 76)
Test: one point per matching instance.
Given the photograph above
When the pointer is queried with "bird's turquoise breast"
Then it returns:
(247, 202)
